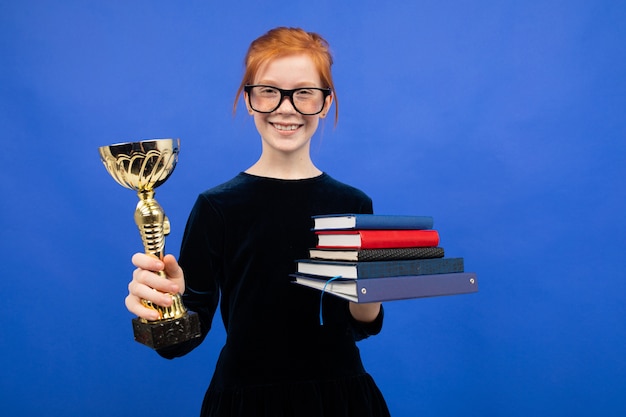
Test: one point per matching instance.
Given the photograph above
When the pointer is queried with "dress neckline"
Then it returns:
(283, 180)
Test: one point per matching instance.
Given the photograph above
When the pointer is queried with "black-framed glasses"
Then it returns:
(307, 100)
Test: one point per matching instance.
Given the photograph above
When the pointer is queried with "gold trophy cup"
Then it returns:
(143, 166)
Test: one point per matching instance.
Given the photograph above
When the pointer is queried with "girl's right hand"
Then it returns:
(148, 285)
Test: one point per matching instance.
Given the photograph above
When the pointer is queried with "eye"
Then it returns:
(267, 91)
(305, 92)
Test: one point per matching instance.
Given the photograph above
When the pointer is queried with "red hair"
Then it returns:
(284, 41)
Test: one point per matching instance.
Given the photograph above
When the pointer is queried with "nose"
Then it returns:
(288, 108)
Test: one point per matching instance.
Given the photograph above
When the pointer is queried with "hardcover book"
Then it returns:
(395, 288)
(374, 270)
(376, 239)
(371, 221)
(367, 255)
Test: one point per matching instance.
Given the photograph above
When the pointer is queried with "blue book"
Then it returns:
(394, 288)
(378, 269)
(371, 222)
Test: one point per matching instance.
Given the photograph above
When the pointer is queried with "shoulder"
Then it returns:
(236, 184)
(227, 191)
(346, 190)
(340, 197)
(338, 185)
(213, 200)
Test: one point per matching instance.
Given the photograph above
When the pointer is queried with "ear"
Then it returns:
(245, 100)
(327, 104)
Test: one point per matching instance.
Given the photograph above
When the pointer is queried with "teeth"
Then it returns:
(286, 127)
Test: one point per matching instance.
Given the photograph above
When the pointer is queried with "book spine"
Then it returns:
(402, 288)
(379, 269)
(409, 267)
(368, 255)
(374, 222)
(380, 239)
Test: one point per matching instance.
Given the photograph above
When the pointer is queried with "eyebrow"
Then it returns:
(298, 85)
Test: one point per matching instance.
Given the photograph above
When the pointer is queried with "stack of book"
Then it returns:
(368, 258)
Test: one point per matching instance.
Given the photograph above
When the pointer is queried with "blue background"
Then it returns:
(504, 120)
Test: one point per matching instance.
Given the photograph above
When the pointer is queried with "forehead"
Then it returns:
(289, 72)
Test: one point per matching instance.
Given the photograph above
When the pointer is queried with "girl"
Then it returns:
(240, 244)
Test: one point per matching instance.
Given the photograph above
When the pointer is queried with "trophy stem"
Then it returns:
(152, 222)
(153, 226)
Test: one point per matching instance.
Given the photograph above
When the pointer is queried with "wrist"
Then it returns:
(365, 312)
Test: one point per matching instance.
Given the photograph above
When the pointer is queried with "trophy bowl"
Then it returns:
(141, 165)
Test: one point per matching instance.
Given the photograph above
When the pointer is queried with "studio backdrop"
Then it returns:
(502, 120)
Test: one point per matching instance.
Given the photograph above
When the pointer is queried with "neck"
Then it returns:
(284, 168)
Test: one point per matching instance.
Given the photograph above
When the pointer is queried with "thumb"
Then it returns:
(172, 269)
(174, 273)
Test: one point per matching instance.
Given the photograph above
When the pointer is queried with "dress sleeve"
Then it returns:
(200, 259)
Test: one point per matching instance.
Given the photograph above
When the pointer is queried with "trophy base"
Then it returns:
(164, 333)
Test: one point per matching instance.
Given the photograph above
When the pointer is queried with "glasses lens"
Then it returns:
(264, 99)
(307, 101)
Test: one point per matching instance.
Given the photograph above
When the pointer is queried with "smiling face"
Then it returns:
(285, 131)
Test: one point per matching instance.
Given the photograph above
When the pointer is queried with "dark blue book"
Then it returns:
(369, 255)
(394, 288)
(371, 221)
(378, 269)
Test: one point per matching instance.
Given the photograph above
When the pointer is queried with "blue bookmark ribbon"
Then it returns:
(322, 296)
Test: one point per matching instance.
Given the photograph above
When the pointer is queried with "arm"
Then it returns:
(366, 312)
(374, 312)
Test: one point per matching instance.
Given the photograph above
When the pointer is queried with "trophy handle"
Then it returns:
(153, 226)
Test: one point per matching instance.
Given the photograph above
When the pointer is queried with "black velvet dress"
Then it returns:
(240, 244)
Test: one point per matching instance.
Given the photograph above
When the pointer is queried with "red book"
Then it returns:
(376, 239)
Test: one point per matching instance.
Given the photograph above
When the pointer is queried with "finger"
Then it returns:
(153, 280)
(144, 261)
(134, 305)
(172, 269)
(154, 289)
(174, 273)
